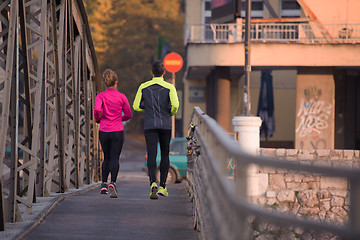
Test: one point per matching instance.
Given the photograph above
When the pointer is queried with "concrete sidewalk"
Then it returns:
(86, 214)
(40, 209)
(130, 216)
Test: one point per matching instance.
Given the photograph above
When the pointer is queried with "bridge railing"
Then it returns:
(221, 206)
(274, 32)
(49, 80)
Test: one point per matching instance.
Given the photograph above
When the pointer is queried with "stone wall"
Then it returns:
(317, 197)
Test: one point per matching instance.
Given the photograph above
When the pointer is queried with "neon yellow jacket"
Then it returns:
(159, 100)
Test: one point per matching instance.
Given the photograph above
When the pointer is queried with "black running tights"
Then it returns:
(111, 144)
(152, 138)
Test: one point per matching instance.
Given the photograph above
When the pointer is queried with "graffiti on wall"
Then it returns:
(313, 113)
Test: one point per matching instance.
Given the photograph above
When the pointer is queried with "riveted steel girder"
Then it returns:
(48, 81)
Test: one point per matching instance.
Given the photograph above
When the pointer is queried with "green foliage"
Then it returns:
(274, 205)
(125, 36)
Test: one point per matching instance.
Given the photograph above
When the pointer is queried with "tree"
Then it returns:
(125, 36)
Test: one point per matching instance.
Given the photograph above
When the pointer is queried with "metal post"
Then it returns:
(14, 113)
(247, 105)
(86, 107)
(96, 143)
(58, 103)
(173, 117)
(6, 100)
(27, 127)
(4, 92)
(42, 139)
(42, 105)
(38, 82)
(2, 206)
(75, 93)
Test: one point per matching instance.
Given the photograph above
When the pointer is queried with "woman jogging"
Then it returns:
(159, 101)
(111, 109)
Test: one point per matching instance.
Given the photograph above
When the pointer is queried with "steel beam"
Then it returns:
(9, 69)
(44, 81)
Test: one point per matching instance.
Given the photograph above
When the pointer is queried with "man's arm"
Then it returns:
(137, 100)
(174, 100)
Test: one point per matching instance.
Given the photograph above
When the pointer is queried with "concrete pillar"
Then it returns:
(221, 86)
(223, 103)
(211, 95)
(315, 108)
(248, 130)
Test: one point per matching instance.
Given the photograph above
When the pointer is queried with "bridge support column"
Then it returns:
(218, 96)
(315, 109)
(248, 131)
(223, 103)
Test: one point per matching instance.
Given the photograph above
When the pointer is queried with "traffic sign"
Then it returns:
(173, 62)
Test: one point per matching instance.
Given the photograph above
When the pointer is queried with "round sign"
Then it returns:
(173, 62)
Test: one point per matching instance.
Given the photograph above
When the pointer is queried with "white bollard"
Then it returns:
(248, 130)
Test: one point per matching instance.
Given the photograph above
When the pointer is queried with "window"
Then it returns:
(207, 20)
(206, 12)
(178, 148)
(290, 5)
(257, 9)
(257, 6)
(207, 6)
(290, 9)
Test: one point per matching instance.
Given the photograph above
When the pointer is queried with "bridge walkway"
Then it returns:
(132, 215)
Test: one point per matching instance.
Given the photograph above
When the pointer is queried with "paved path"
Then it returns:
(130, 216)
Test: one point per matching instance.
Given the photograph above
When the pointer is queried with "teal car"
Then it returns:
(178, 161)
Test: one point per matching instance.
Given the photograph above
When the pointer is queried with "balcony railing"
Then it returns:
(274, 32)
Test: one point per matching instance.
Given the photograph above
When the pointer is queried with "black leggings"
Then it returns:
(111, 143)
(152, 137)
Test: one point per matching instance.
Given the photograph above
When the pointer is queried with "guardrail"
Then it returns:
(221, 208)
(274, 32)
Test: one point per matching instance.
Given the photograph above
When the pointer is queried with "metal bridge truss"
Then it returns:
(48, 82)
(221, 208)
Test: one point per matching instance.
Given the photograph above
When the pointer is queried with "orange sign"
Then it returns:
(173, 62)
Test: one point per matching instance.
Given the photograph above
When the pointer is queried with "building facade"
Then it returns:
(311, 49)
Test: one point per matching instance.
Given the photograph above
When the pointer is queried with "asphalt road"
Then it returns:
(130, 216)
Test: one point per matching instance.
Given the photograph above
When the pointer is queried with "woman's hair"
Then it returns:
(109, 78)
(158, 69)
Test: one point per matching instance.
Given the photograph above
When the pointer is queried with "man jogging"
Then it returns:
(158, 99)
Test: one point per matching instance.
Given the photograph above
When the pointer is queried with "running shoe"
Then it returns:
(112, 190)
(104, 188)
(153, 191)
(163, 191)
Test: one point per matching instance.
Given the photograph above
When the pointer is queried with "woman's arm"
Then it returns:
(126, 109)
(97, 108)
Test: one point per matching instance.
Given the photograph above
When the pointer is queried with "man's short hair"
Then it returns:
(158, 69)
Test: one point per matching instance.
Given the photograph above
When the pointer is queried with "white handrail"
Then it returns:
(275, 32)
